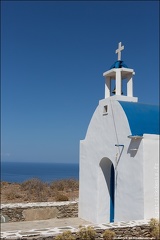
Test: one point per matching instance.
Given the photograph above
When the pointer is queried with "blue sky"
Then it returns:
(53, 57)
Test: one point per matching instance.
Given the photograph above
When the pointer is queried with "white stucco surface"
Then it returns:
(104, 132)
(151, 175)
(135, 160)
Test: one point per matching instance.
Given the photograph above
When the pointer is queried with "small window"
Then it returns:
(105, 110)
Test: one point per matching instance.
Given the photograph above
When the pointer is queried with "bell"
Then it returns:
(114, 91)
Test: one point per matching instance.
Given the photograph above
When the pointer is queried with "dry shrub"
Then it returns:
(57, 185)
(12, 194)
(72, 184)
(65, 236)
(4, 183)
(36, 189)
(61, 197)
(65, 185)
(154, 228)
(86, 233)
(108, 235)
(32, 184)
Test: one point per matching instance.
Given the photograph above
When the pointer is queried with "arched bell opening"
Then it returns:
(123, 87)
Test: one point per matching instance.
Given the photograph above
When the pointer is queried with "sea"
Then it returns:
(18, 172)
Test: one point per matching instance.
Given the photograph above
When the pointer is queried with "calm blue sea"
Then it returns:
(47, 172)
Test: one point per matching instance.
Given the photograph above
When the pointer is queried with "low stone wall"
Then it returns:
(38, 211)
(132, 232)
(136, 232)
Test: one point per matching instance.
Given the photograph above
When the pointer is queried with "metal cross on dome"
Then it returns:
(120, 48)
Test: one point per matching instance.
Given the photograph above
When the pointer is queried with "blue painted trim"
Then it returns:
(119, 64)
(142, 118)
(112, 184)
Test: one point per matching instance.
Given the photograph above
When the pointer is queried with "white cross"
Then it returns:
(120, 48)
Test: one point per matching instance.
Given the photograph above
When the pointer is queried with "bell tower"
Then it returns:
(119, 72)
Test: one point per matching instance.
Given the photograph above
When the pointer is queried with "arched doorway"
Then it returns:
(109, 175)
(112, 190)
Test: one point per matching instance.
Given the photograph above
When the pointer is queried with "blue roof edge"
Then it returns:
(142, 118)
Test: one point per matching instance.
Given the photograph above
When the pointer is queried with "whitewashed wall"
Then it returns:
(103, 133)
(151, 176)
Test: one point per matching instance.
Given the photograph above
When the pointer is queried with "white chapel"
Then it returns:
(119, 157)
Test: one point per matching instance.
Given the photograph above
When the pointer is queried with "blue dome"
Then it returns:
(118, 64)
(142, 118)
